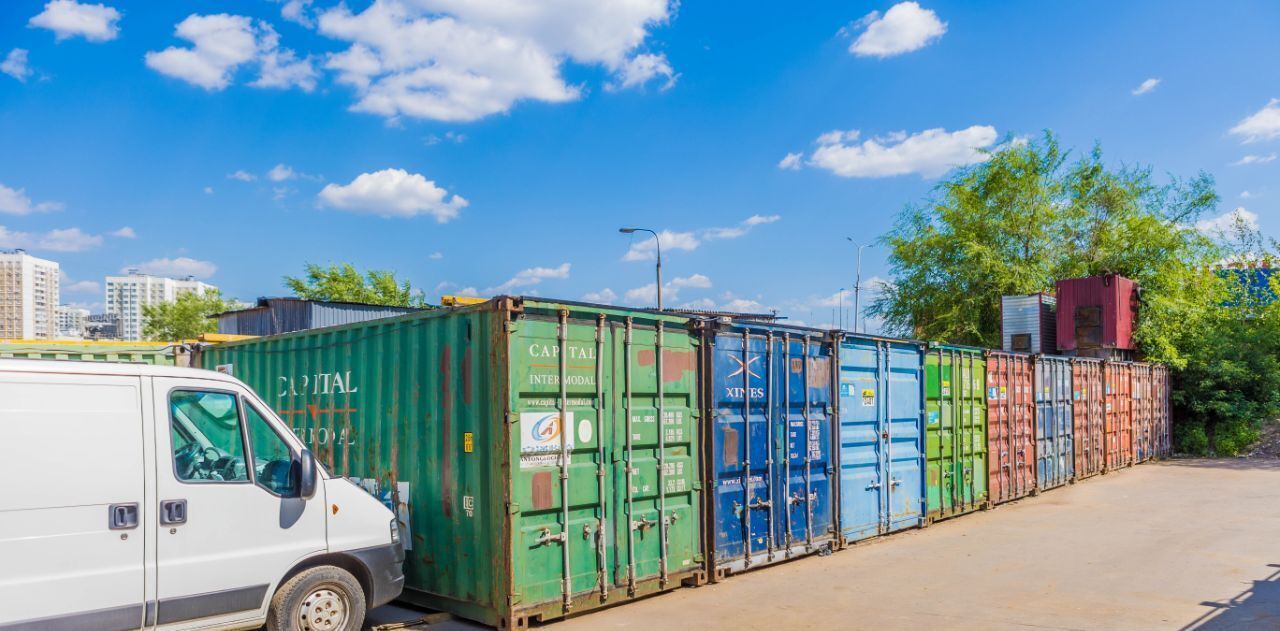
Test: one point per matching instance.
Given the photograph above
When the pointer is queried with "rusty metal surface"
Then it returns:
(1118, 426)
(1055, 422)
(1089, 410)
(1010, 426)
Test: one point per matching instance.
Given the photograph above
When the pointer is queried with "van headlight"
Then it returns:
(395, 532)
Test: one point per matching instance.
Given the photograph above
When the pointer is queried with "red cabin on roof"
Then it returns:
(1096, 316)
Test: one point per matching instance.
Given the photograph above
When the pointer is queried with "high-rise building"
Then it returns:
(29, 296)
(126, 296)
(71, 322)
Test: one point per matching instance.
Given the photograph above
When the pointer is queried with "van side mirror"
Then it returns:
(307, 474)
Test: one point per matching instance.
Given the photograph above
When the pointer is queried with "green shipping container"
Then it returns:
(453, 417)
(157, 354)
(956, 430)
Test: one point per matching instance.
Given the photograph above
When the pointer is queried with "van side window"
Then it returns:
(208, 445)
(272, 460)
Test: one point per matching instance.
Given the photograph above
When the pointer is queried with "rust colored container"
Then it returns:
(1144, 412)
(1011, 432)
(1163, 417)
(1096, 315)
(1118, 426)
(1089, 412)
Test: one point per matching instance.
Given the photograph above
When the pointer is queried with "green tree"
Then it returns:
(1028, 216)
(343, 283)
(184, 319)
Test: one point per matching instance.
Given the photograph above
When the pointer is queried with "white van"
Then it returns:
(136, 496)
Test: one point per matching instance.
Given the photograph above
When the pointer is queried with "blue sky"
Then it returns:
(470, 145)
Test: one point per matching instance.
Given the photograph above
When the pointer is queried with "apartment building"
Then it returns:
(29, 296)
(127, 294)
(71, 322)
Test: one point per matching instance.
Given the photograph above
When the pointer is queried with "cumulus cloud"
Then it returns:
(530, 277)
(67, 285)
(59, 240)
(393, 193)
(1263, 124)
(1254, 159)
(281, 172)
(1229, 223)
(648, 294)
(16, 202)
(1245, 195)
(604, 296)
(243, 176)
(929, 153)
(905, 27)
(221, 44)
(298, 11)
(742, 305)
(460, 60)
(436, 256)
(125, 233)
(646, 249)
(15, 65)
(68, 18)
(790, 162)
(1146, 86)
(179, 267)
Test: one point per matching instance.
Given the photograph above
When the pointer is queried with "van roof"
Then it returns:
(128, 369)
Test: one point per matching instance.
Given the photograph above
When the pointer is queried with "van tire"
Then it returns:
(335, 589)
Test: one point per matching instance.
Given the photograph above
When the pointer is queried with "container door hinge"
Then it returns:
(513, 508)
(697, 486)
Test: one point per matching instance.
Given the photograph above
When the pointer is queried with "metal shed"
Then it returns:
(273, 316)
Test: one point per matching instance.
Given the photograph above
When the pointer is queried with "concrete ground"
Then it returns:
(1184, 544)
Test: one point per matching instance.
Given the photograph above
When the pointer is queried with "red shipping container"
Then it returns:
(1118, 380)
(1011, 430)
(1144, 412)
(1089, 409)
(1096, 315)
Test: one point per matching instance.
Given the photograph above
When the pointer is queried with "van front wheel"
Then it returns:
(323, 598)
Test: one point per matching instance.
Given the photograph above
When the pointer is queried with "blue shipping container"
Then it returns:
(769, 414)
(1055, 422)
(881, 436)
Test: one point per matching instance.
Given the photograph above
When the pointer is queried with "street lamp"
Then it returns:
(657, 242)
(857, 286)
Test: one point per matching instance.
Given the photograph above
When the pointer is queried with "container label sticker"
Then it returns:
(226, 369)
(868, 398)
(993, 392)
(1004, 393)
(540, 435)
(468, 442)
(933, 417)
(946, 388)
(584, 431)
(469, 505)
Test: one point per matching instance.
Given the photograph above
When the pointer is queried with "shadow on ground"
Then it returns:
(1240, 464)
(1258, 607)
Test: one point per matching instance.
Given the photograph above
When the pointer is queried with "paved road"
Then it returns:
(1184, 544)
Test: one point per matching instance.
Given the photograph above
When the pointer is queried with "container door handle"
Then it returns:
(123, 516)
(173, 512)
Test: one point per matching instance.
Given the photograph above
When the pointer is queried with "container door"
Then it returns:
(744, 443)
(863, 439)
(939, 430)
(904, 455)
(806, 410)
(972, 470)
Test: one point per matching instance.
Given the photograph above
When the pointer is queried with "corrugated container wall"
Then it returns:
(1011, 431)
(1096, 316)
(1144, 412)
(158, 354)
(542, 456)
(1055, 422)
(881, 436)
(769, 416)
(1118, 380)
(273, 316)
(1028, 323)
(955, 430)
(1088, 397)
(1164, 414)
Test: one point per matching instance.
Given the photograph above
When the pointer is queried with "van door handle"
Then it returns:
(173, 512)
(123, 516)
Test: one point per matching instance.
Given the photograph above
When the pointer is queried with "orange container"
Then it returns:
(1163, 432)
(1011, 430)
(1144, 412)
(1089, 413)
(1118, 426)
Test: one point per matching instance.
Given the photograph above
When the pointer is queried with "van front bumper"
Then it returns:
(386, 572)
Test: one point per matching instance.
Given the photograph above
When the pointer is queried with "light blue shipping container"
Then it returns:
(1055, 446)
(881, 436)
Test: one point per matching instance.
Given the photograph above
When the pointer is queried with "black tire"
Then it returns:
(330, 594)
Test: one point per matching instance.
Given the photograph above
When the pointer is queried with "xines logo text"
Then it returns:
(738, 391)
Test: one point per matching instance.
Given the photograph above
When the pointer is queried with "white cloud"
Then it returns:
(16, 202)
(223, 43)
(66, 285)
(436, 256)
(175, 268)
(208, 190)
(930, 153)
(1263, 124)
(1245, 194)
(460, 60)
(604, 296)
(530, 277)
(1254, 159)
(243, 176)
(743, 305)
(393, 193)
(59, 240)
(1146, 86)
(281, 172)
(903, 28)
(697, 281)
(68, 18)
(451, 136)
(297, 11)
(15, 65)
(701, 304)
(646, 249)
(280, 192)
(790, 162)
(1227, 223)
(648, 294)
(125, 233)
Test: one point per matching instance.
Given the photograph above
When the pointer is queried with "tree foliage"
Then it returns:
(184, 319)
(343, 283)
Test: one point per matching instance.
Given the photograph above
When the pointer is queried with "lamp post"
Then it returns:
(857, 286)
(657, 242)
